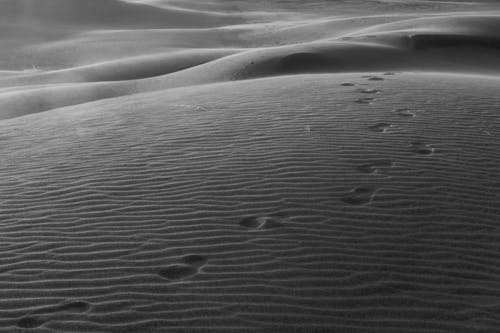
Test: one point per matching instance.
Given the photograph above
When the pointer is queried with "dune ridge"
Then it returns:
(450, 44)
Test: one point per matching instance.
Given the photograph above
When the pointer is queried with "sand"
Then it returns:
(264, 166)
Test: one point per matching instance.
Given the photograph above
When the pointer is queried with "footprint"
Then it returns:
(365, 100)
(405, 113)
(74, 306)
(421, 148)
(195, 260)
(347, 84)
(380, 127)
(191, 266)
(369, 91)
(375, 166)
(389, 73)
(261, 222)
(31, 322)
(178, 271)
(359, 196)
(375, 78)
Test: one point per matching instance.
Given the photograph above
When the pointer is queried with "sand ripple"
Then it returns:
(293, 210)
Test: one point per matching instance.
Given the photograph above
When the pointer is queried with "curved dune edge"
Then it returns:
(132, 68)
(271, 204)
(476, 51)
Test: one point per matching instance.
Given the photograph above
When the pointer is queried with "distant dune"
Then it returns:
(104, 13)
(447, 43)
(251, 166)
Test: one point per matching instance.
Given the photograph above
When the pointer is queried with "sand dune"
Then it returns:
(401, 50)
(106, 13)
(122, 69)
(249, 166)
(299, 209)
(449, 43)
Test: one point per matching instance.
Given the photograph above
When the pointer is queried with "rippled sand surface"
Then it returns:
(252, 166)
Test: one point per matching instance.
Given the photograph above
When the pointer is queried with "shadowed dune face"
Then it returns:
(304, 62)
(436, 41)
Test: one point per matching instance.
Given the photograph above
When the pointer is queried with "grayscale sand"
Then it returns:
(249, 166)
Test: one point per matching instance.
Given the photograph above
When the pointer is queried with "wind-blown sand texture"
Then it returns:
(253, 166)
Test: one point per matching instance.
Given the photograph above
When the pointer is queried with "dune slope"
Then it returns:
(448, 43)
(102, 13)
(338, 202)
